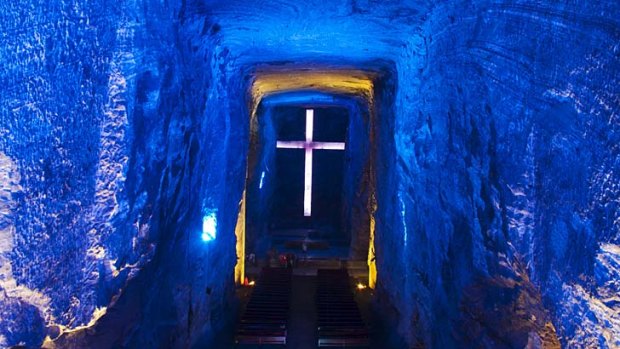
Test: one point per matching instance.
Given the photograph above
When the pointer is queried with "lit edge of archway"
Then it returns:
(335, 81)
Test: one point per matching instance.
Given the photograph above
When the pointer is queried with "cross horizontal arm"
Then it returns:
(291, 144)
(327, 145)
(310, 145)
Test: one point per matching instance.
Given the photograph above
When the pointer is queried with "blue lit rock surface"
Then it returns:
(498, 164)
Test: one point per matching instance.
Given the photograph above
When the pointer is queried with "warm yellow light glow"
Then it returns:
(372, 258)
(252, 283)
(353, 82)
(344, 81)
(361, 286)
(240, 248)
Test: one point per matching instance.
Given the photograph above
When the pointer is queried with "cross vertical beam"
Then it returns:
(308, 165)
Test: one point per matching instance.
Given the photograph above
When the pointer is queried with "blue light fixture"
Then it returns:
(209, 227)
(262, 180)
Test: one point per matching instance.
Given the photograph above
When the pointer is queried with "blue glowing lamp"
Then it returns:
(209, 227)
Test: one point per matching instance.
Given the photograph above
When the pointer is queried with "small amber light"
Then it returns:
(361, 286)
(251, 283)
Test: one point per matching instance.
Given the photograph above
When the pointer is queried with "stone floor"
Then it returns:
(302, 320)
(302, 317)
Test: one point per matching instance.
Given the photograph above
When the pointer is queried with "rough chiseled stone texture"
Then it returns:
(497, 148)
(63, 134)
(103, 143)
(514, 151)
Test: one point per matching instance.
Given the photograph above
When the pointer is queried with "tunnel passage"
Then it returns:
(343, 100)
(277, 200)
(124, 140)
(299, 113)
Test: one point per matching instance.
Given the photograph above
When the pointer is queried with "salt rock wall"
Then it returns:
(506, 141)
(101, 196)
(64, 131)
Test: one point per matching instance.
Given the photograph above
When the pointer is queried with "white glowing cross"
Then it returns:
(309, 145)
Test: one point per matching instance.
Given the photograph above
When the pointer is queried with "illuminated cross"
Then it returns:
(309, 145)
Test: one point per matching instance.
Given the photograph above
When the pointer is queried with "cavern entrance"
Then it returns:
(282, 204)
(305, 230)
